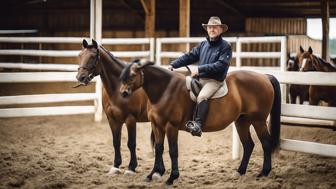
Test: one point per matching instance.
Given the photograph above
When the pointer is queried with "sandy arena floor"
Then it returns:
(75, 152)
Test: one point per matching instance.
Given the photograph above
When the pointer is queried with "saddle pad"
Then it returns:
(222, 91)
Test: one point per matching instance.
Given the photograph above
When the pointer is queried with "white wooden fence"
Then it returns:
(30, 77)
(289, 111)
(301, 111)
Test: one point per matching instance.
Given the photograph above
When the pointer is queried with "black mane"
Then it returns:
(125, 72)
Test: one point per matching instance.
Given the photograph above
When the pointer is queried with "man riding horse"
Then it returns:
(214, 55)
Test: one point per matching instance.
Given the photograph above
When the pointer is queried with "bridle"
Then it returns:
(91, 70)
(304, 62)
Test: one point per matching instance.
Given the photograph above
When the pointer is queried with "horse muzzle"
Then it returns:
(125, 94)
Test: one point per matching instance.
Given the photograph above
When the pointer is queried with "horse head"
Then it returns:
(292, 63)
(306, 60)
(88, 63)
(132, 77)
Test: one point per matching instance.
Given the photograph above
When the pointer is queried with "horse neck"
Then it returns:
(323, 66)
(111, 68)
(156, 82)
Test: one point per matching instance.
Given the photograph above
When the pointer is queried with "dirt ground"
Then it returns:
(75, 152)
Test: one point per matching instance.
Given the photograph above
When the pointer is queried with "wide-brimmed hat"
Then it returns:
(215, 21)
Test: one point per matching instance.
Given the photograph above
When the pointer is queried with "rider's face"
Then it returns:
(214, 31)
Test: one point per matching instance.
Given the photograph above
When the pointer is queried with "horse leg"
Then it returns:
(172, 136)
(131, 144)
(265, 139)
(293, 99)
(116, 134)
(158, 168)
(243, 129)
(301, 98)
(313, 95)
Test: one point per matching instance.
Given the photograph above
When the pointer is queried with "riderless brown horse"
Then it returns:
(310, 62)
(96, 60)
(301, 91)
(251, 98)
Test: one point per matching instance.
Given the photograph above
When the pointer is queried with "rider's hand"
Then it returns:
(170, 67)
(194, 73)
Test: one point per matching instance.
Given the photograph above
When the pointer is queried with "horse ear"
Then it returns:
(145, 62)
(95, 44)
(301, 49)
(310, 50)
(85, 43)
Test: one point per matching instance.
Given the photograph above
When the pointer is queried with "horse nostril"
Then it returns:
(124, 94)
(81, 78)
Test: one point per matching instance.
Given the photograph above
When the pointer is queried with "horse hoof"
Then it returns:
(262, 175)
(129, 173)
(114, 171)
(237, 175)
(156, 176)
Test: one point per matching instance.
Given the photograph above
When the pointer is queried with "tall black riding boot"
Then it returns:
(201, 111)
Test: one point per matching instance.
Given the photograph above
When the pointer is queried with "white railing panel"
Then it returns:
(308, 111)
(46, 98)
(42, 39)
(46, 111)
(260, 54)
(308, 147)
(170, 40)
(260, 39)
(125, 41)
(40, 66)
(307, 121)
(69, 53)
(302, 78)
(127, 54)
(48, 53)
(38, 77)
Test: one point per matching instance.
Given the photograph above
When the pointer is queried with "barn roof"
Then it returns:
(129, 14)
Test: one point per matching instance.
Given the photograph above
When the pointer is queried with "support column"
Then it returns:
(325, 13)
(96, 9)
(149, 8)
(184, 22)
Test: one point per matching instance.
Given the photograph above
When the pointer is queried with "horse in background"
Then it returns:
(95, 60)
(295, 91)
(309, 62)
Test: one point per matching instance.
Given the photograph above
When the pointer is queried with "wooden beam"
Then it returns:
(149, 8)
(325, 13)
(184, 23)
(144, 6)
(184, 11)
(229, 6)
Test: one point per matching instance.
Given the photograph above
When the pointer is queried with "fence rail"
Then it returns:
(42, 77)
(301, 112)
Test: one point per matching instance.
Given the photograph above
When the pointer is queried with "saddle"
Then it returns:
(194, 87)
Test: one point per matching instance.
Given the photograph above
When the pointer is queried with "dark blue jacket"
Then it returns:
(213, 59)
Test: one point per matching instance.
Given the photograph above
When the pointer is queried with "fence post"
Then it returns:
(283, 66)
(158, 52)
(151, 48)
(238, 51)
(235, 138)
(96, 33)
(235, 143)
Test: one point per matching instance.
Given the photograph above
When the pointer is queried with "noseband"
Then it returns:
(93, 68)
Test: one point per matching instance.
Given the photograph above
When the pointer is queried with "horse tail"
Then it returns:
(275, 114)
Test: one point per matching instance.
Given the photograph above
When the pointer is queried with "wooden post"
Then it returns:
(96, 8)
(184, 24)
(149, 8)
(325, 13)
